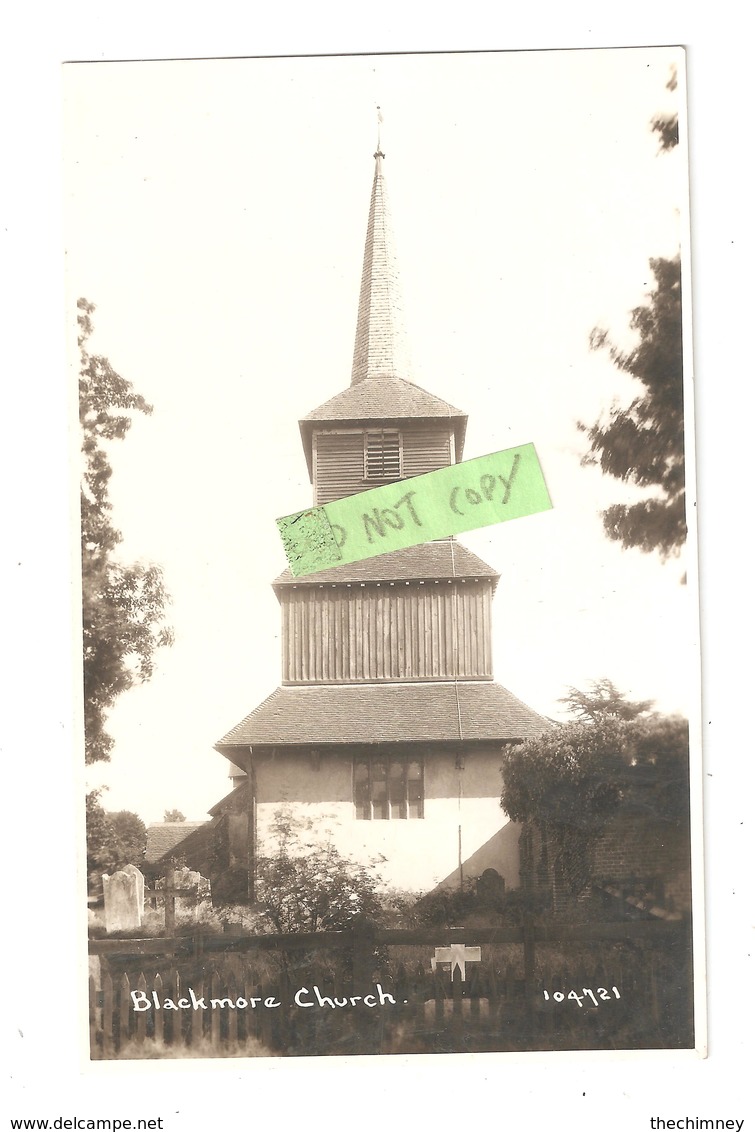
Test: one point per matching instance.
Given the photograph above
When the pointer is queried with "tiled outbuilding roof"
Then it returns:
(430, 560)
(385, 713)
(166, 838)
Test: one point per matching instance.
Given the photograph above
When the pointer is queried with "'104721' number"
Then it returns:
(573, 996)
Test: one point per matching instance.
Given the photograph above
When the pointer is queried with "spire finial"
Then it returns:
(378, 152)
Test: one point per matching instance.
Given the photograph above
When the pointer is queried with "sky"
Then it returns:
(215, 213)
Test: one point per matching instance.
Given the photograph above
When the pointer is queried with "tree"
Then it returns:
(173, 815)
(113, 839)
(122, 605)
(306, 885)
(568, 778)
(129, 837)
(603, 700)
(99, 859)
(572, 779)
(643, 444)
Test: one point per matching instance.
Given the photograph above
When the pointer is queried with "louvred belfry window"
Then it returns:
(388, 788)
(382, 455)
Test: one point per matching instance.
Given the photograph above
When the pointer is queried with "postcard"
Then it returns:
(414, 778)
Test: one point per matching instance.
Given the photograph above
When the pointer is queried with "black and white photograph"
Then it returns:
(445, 799)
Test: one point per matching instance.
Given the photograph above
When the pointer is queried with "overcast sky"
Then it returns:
(215, 214)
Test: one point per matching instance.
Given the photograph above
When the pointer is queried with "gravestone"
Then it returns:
(124, 899)
(133, 871)
(491, 889)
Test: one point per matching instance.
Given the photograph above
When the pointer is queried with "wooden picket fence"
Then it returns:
(418, 1013)
(516, 1001)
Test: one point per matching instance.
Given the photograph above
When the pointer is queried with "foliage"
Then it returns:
(657, 782)
(454, 907)
(667, 128)
(306, 885)
(603, 700)
(122, 605)
(643, 444)
(129, 836)
(666, 125)
(113, 839)
(445, 907)
(97, 831)
(173, 815)
(571, 780)
(568, 776)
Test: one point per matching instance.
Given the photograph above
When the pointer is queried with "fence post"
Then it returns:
(95, 1049)
(363, 939)
(170, 901)
(528, 938)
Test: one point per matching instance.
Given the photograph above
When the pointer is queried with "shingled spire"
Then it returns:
(380, 347)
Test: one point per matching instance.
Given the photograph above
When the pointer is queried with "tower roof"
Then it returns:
(346, 714)
(430, 561)
(384, 398)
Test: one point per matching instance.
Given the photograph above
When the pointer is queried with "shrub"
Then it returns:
(307, 885)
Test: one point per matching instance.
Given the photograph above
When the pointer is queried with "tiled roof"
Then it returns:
(386, 713)
(231, 802)
(429, 560)
(166, 836)
(380, 346)
(383, 398)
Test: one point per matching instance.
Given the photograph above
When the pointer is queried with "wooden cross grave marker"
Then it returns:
(458, 955)
(169, 894)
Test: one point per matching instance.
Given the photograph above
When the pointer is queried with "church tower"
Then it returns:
(387, 727)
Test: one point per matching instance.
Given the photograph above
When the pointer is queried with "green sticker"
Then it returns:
(462, 497)
(308, 541)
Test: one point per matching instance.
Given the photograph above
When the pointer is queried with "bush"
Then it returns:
(306, 885)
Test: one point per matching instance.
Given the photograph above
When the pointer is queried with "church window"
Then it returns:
(382, 455)
(388, 788)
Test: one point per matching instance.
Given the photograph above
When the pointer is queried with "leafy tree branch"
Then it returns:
(643, 443)
(123, 606)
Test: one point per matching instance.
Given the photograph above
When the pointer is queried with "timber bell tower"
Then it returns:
(387, 726)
